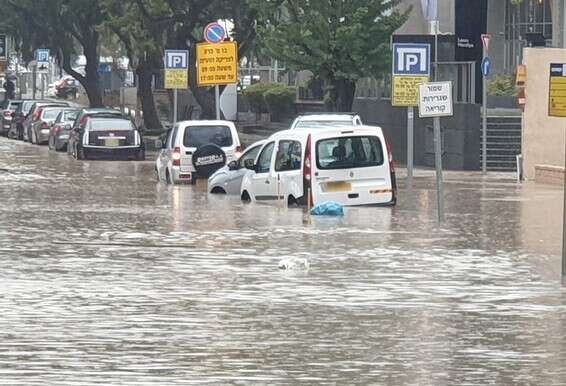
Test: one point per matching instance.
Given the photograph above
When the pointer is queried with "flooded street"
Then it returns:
(109, 278)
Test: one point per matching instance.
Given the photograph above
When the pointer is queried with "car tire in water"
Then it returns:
(81, 153)
(140, 156)
(168, 178)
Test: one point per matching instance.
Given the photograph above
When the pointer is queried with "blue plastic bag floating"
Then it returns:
(328, 208)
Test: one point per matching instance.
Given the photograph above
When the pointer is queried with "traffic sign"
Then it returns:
(485, 38)
(217, 64)
(42, 56)
(176, 59)
(214, 33)
(557, 90)
(486, 67)
(3, 48)
(411, 59)
(435, 100)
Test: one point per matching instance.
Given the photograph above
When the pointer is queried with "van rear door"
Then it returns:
(351, 168)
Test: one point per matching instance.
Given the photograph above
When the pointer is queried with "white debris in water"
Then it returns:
(294, 263)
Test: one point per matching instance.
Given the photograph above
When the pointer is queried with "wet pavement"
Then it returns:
(109, 278)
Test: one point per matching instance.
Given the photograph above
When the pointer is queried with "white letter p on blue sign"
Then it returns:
(411, 59)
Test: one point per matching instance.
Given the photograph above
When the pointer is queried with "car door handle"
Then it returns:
(267, 182)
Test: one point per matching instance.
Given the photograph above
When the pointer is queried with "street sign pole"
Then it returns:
(438, 140)
(410, 146)
(175, 104)
(564, 224)
(34, 79)
(485, 45)
(217, 99)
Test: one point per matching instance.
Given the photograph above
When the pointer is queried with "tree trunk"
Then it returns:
(145, 94)
(339, 95)
(91, 81)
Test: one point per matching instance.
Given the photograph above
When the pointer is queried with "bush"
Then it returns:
(280, 101)
(254, 94)
(502, 85)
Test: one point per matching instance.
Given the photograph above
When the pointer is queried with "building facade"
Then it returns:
(511, 26)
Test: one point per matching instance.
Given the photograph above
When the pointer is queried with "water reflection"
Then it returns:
(110, 278)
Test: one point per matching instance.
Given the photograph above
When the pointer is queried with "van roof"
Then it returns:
(347, 117)
(206, 123)
(303, 133)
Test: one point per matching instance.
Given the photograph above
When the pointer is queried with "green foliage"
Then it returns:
(255, 95)
(338, 41)
(502, 85)
(280, 101)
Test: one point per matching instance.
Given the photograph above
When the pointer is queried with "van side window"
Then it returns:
(264, 160)
(289, 155)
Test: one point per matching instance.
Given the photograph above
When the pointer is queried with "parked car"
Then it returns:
(197, 149)
(16, 127)
(7, 109)
(351, 166)
(34, 116)
(115, 137)
(228, 179)
(323, 120)
(41, 128)
(68, 87)
(59, 133)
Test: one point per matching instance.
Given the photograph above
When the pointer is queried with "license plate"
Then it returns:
(338, 186)
(112, 142)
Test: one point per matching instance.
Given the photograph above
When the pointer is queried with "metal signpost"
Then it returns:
(557, 108)
(486, 70)
(411, 68)
(217, 61)
(435, 101)
(176, 74)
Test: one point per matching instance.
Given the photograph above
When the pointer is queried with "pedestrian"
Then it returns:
(10, 88)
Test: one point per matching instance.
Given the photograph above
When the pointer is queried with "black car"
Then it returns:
(7, 109)
(17, 125)
(109, 137)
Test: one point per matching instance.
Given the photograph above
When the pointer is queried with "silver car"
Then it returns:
(228, 180)
(41, 127)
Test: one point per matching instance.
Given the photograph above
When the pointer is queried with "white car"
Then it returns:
(228, 179)
(326, 120)
(197, 148)
(348, 165)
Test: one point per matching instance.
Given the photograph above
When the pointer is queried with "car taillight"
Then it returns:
(176, 156)
(307, 169)
(7, 114)
(238, 153)
(37, 114)
(83, 121)
(390, 155)
(56, 129)
(43, 126)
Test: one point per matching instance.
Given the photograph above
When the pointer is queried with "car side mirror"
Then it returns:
(249, 164)
(233, 165)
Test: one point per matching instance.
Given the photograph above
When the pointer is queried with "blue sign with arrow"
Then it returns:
(486, 67)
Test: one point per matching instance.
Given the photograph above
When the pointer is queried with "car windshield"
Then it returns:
(312, 124)
(197, 136)
(50, 113)
(69, 115)
(14, 106)
(349, 152)
(110, 124)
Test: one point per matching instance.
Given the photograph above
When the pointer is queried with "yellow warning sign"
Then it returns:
(405, 91)
(217, 64)
(176, 79)
(557, 94)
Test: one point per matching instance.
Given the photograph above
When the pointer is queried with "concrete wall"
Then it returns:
(543, 136)
(461, 133)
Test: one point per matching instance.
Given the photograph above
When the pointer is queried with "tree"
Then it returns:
(60, 25)
(339, 41)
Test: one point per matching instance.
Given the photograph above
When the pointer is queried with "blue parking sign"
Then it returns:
(411, 59)
(176, 59)
(42, 56)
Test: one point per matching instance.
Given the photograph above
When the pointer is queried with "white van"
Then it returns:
(348, 165)
(197, 149)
